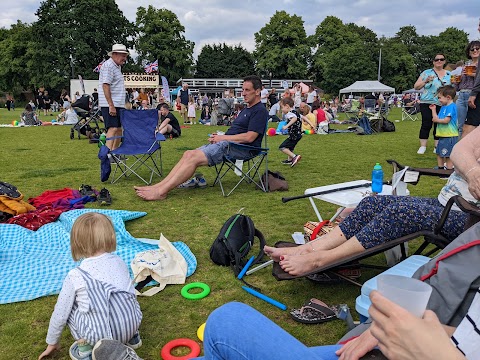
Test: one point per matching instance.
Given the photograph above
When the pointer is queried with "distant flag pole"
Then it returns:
(97, 69)
(149, 68)
(165, 90)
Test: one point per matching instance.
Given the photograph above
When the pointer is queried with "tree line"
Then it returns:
(72, 37)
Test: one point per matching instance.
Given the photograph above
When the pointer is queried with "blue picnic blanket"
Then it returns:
(35, 263)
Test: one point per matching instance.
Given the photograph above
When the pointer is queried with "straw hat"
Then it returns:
(118, 48)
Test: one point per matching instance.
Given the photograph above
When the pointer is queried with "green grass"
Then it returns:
(39, 158)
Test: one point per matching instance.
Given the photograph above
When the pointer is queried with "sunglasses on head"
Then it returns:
(475, 48)
(439, 59)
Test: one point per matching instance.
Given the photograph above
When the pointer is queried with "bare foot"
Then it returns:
(276, 253)
(301, 264)
(150, 194)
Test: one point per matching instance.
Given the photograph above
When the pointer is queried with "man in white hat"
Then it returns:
(111, 94)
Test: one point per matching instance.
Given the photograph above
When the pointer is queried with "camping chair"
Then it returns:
(410, 112)
(140, 144)
(247, 169)
(431, 237)
(353, 113)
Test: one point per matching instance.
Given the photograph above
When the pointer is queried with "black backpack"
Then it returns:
(234, 242)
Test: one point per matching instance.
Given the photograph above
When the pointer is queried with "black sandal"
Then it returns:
(314, 311)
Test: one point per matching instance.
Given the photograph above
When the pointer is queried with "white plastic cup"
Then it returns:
(411, 294)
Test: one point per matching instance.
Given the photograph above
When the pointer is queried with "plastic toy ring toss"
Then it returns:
(201, 331)
(205, 291)
(192, 345)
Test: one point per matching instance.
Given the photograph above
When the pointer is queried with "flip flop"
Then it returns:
(314, 311)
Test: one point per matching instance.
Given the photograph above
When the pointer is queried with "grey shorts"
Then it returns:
(216, 152)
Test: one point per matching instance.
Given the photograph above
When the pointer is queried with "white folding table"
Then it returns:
(349, 198)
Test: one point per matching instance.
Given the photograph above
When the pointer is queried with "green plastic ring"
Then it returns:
(205, 291)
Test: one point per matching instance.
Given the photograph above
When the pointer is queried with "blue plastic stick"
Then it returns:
(265, 298)
(245, 268)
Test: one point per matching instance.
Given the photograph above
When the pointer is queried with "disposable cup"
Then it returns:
(411, 294)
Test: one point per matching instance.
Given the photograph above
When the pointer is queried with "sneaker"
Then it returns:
(287, 162)
(189, 184)
(421, 150)
(295, 160)
(201, 182)
(76, 354)
(105, 198)
(135, 342)
(435, 150)
(107, 349)
(87, 190)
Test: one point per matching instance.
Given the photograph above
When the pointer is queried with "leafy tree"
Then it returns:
(345, 65)
(281, 47)
(452, 43)
(397, 68)
(82, 29)
(161, 36)
(15, 47)
(223, 61)
(343, 54)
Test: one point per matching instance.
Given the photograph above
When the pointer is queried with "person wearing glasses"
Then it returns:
(464, 88)
(430, 81)
(473, 114)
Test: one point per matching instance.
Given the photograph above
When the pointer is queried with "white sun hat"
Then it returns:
(118, 48)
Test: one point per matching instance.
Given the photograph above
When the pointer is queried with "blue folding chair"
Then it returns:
(249, 170)
(140, 146)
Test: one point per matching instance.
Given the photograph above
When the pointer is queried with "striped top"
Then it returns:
(107, 268)
(467, 335)
(111, 73)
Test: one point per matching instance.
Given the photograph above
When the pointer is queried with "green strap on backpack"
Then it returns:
(234, 242)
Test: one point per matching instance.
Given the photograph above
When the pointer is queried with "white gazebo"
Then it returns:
(367, 86)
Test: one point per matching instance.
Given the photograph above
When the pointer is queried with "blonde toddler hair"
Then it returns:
(92, 233)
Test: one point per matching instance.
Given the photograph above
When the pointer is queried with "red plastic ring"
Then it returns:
(189, 343)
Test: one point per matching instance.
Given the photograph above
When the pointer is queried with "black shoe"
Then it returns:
(87, 190)
(105, 198)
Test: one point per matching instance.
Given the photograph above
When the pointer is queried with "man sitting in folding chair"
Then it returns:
(248, 128)
(379, 219)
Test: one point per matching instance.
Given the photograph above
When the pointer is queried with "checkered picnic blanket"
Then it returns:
(35, 263)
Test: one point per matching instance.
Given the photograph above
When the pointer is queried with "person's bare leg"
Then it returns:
(467, 129)
(423, 142)
(289, 153)
(111, 132)
(302, 264)
(117, 141)
(329, 241)
(185, 169)
(179, 165)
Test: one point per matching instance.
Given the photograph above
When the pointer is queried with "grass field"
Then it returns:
(39, 158)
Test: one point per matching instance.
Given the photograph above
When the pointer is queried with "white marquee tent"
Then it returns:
(367, 86)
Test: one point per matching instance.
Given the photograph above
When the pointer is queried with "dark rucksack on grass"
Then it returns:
(234, 242)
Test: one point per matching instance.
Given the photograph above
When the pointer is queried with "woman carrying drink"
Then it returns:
(465, 85)
(430, 81)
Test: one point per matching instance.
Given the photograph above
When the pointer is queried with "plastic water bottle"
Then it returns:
(102, 140)
(377, 178)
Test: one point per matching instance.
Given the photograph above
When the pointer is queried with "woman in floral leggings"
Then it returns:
(376, 220)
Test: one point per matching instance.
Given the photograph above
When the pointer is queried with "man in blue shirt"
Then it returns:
(248, 128)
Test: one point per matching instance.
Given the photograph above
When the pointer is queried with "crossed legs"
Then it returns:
(181, 172)
(323, 251)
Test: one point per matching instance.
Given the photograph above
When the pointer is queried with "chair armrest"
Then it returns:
(114, 137)
(466, 206)
(160, 137)
(246, 147)
(422, 171)
(463, 204)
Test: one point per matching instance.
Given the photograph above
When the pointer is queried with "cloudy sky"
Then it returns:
(235, 22)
